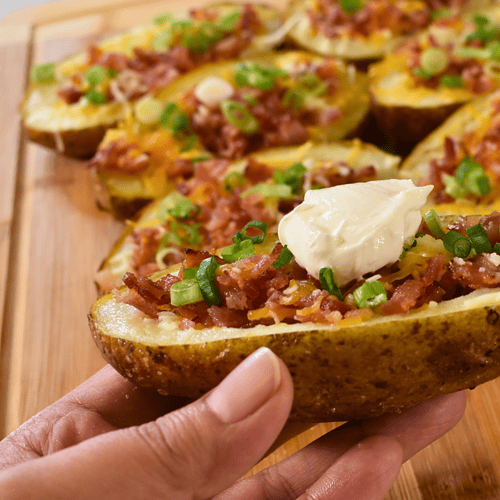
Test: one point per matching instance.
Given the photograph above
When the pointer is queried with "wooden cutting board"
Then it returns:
(53, 238)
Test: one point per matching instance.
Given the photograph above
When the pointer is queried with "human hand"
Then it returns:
(110, 440)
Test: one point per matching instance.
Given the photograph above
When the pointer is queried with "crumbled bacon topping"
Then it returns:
(255, 292)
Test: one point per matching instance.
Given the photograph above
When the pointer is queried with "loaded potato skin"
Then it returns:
(340, 373)
(69, 105)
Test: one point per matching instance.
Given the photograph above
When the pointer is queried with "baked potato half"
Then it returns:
(221, 197)
(68, 106)
(415, 88)
(362, 31)
(460, 159)
(348, 359)
(230, 110)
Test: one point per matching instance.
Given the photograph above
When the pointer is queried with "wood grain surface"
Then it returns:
(53, 238)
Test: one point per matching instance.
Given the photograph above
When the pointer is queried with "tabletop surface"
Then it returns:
(53, 238)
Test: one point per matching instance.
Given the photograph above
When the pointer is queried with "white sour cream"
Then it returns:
(354, 228)
(212, 90)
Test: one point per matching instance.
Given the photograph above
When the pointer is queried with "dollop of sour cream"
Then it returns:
(212, 90)
(354, 228)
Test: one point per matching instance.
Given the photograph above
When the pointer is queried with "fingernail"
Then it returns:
(247, 387)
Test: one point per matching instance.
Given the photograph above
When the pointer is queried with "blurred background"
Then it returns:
(8, 7)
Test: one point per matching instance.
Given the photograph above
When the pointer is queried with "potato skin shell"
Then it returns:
(80, 143)
(351, 373)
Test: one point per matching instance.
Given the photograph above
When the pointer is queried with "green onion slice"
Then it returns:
(96, 74)
(433, 222)
(183, 209)
(466, 167)
(232, 180)
(370, 294)
(421, 73)
(479, 238)
(163, 40)
(441, 13)
(452, 81)
(250, 99)
(434, 61)
(238, 251)
(327, 282)
(229, 21)
(351, 6)
(185, 292)
(239, 116)
(454, 188)
(284, 258)
(96, 97)
(293, 176)
(168, 203)
(269, 190)
(496, 247)
(242, 235)
(206, 279)
(43, 73)
(457, 244)
(478, 183)
(190, 272)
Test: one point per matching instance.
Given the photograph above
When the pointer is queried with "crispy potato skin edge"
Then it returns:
(80, 143)
(352, 373)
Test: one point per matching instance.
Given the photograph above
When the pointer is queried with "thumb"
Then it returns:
(195, 452)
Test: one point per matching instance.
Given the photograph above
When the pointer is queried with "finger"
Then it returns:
(414, 429)
(101, 404)
(194, 452)
(366, 471)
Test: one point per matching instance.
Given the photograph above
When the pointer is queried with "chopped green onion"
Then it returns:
(95, 74)
(351, 6)
(232, 180)
(168, 203)
(434, 61)
(174, 119)
(43, 73)
(95, 97)
(327, 282)
(198, 159)
(370, 294)
(239, 116)
(433, 222)
(284, 258)
(485, 30)
(199, 39)
(182, 24)
(269, 190)
(292, 176)
(465, 168)
(457, 244)
(294, 98)
(454, 188)
(180, 121)
(421, 73)
(190, 272)
(183, 209)
(473, 53)
(250, 99)
(162, 40)
(494, 48)
(256, 79)
(206, 279)
(148, 110)
(451, 81)
(229, 21)
(238, 251)
(478, 183)
(189, 143)
(440, 13)
(163, 18)
(185, 292)
(191, 235)
(479, 238)
(242, 235)
(496, 247)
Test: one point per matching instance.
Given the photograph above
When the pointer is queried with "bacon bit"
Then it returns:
(257, 172)
(120, 156)
(69, 94)
(146, 241)
(479, 272)
(223, 316)
(133, 298)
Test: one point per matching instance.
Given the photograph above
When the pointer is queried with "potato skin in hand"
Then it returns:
(339, 372)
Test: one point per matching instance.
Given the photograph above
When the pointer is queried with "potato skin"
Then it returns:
(350, 373)
(81, 143)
